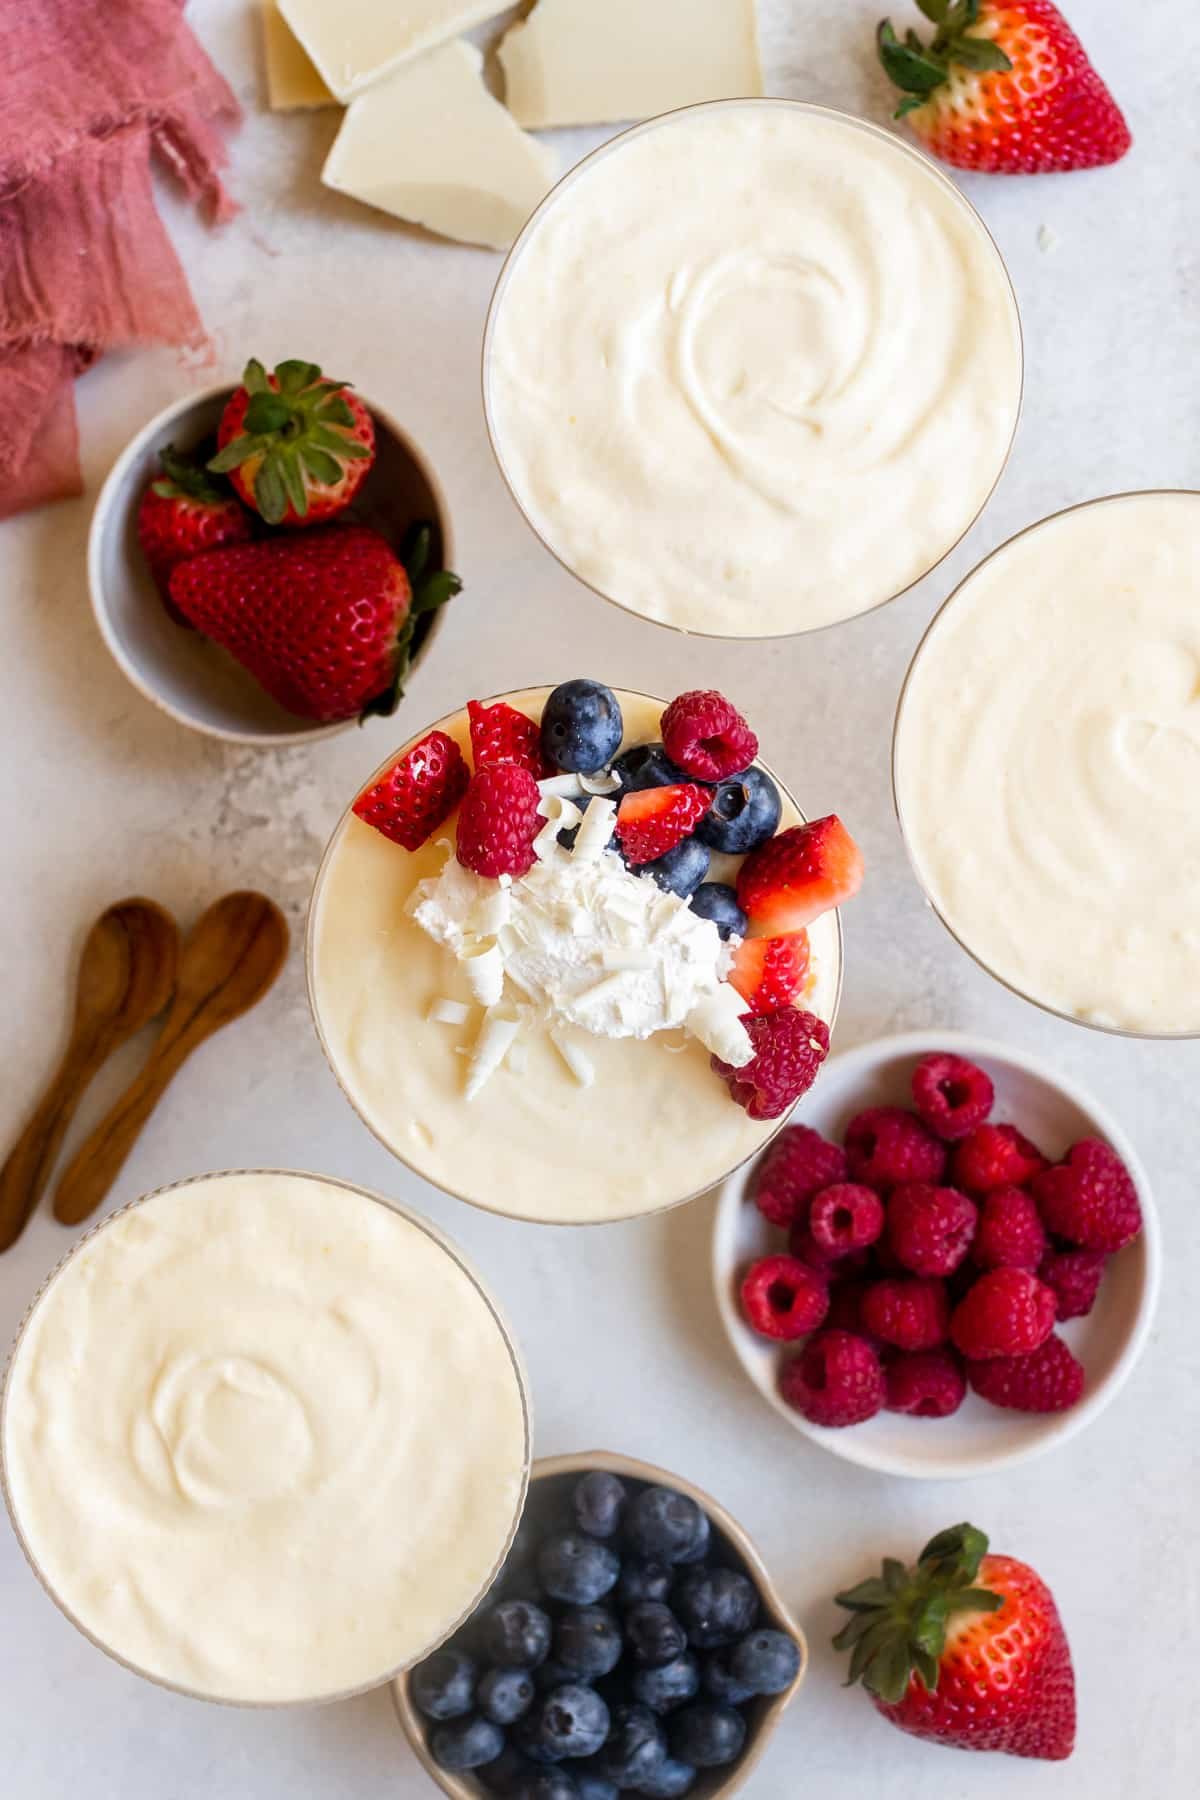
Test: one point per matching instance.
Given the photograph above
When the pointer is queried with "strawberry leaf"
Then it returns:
(266, 413)
(335, 412)
(981, 54)
(293, 481)
(270, 494)
(934, 10)
(254, 377)
(414, 553)
(293, 376)
(235, 453)
(917, 72)
(321, 466)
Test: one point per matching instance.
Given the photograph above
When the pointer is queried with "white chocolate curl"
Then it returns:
(483, 966)
(569, 1045)
(448, 1012)
(595, 832)
(716, 1021)
(496, 1037)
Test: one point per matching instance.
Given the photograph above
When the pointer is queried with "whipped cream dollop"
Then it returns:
(581, 942)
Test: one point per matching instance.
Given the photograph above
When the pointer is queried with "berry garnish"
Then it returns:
(1075, 1276)
(296, 445)
(783, 1298)
(845, 1217)
(910, 1313)
(795, 877)
(836, 1380)
(499, 821)
(646, 765)
(745, 812)
(652, 821)
(581, 727)
(1049, 1379)
(930, 1229)
(1007, 1312)
(682, 870)
(929, 1384)
(714, 900)
(769, 972)
(1089, 1198)
(501, 734)
(789, 1048)
(418, 793)
(994, 1156)
(1011, 1234)
(951, 1094)
(707, 736)
(798, 1165)
(886, 1145)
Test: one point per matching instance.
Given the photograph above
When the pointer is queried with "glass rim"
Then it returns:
(326, 1050)
(1054, 1012)
(430, 1230)
(620, 138)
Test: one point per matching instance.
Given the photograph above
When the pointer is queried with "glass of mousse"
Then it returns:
(544, 1045)
(752, 368)
(225, 1446)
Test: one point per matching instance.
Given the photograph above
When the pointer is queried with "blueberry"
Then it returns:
(716, 1606)
(515, 1634)
(669, 1781)
(592, 1784)
(707, 1736)
(720, 1683)
(581, 727)
(548, 1784)
(767, 1662)
(681, 870)
(667, 1687)
(643, 1580)
(647, 766)
(527, 1736)
(587, 1642)
(577, 1569)
(505, 1775)
(636, 1746)
(714, 900)
(663, 1525)
(552, 1674)
(443, 1686)
(598, 1500)
(465, 1743)
(505, 1695)
(698, 1549)
(744, 813)
(572, 1721)
(654, 1634)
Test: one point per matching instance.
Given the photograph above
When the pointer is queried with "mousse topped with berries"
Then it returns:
(574, 953)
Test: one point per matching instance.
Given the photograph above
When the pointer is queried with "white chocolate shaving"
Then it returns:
(483, 966)
(497, 1034)
(595, 831)
(562, 787)
(569, 1047)
(716, 1021)
(560, 815)
(614, 957)
(602, 782)
(491, 913)
(448, 1012)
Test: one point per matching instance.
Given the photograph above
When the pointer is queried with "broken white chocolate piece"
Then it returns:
(432, 146)
(497, 1034)
(595, 831)
(354, 43)
(293, 83)
(448, 1012)
(717, 1021)
(602, 782)
(560, 814)
(597, 62)
(566, 787)
(569, 1045)
(483, 966)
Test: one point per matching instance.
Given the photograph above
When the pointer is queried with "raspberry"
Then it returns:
(930, 1229)
(1089, 1198)
(887, 1145)
(927, 1383)
(789, 1048)
(951, 1094)
(1011, 1234)
(913, 1315)
(783, 1298)
(798, 1165)
(1008, 1312)
(707, 736)
(844, 1218)
(845, 1308)
(499, 821)
(803, 1245)
(1075, 1276)
(837, 1379)
(994, 1156)
(418, 793)
(769, 972)
(1048, 1380)
(501, 734)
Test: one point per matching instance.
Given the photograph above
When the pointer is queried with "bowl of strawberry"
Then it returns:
(267, 561)
(633, 1644)
(947, 1263)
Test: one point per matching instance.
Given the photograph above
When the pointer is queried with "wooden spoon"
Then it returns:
(126, 977)
(228, 962)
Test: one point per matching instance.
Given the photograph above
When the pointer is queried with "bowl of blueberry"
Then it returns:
(633, 1644)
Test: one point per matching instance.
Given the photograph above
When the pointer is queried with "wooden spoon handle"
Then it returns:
(32, 1157)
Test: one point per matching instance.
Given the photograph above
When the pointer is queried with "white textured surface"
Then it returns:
(103, 796)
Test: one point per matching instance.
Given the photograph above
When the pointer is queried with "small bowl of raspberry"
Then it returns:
(946, 1264)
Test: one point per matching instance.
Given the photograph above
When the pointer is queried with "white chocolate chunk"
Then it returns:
(448, 1012)
(570, 1047)
(432, 146)
(354, 43)
(597, 62)
(716, 1020)
(293, 83)
(595, 831)
(483, 966)
(497, 1035)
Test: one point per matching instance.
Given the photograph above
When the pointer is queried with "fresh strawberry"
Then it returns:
(418, 793)
(966, 1649)
(501, 734)
(651, 821)
(1004, 86)
(296, 445)
(795, 877)
(181, 513)
(324, 621)
(769, 972)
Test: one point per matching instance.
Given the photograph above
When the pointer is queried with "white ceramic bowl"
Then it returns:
(979, 1439)
(550, 1482)
(181, 671)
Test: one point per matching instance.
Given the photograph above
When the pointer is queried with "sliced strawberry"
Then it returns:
(795, 877)
(501, 734)
(653, 820)
(418, 793)
(769, 972)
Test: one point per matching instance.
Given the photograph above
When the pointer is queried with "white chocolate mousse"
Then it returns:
(601, 1106)
(1047, 763)
(754, 368)
(264, 1438)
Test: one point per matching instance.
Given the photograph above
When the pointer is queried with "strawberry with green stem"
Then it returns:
(183, 512)
(296, 444)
